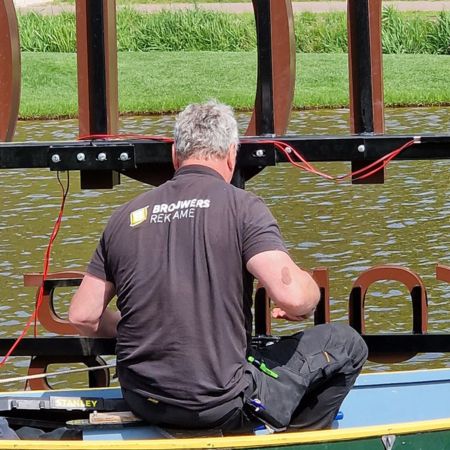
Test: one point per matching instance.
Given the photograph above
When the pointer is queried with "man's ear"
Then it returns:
(231, 157)
(175, 161)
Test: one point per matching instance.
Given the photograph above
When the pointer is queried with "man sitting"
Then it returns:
(181, 259)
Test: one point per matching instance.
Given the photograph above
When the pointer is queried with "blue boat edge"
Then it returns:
(379, 385)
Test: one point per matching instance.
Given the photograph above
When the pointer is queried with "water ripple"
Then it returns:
(347, 228)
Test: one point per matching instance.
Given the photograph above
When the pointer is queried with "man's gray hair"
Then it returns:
(205, 131)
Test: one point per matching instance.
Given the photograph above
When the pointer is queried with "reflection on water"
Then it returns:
(345, 228)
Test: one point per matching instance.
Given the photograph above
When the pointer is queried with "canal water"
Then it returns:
(346, 228)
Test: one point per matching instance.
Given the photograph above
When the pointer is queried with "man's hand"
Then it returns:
(278, 313)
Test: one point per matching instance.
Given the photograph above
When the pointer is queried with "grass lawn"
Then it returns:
(157, 82)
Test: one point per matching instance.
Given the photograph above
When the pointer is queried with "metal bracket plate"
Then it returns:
(111, 156)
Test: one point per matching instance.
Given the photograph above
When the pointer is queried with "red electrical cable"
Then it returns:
(287, 150)
(385, 160)
(39, 300)
(360, 174)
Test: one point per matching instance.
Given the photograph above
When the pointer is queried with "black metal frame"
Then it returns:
(264, 105)
(397, 344)
(254, 152)
(363, 68)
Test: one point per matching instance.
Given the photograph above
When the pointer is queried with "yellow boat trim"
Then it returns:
(237, 442)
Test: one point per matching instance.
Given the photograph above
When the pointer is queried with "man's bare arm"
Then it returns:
(293, 290)
(88, 310)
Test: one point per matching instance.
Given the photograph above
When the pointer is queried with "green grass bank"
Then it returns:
(156, 82)
(199, 30)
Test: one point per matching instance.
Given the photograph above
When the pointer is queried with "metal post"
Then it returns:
(97, 78)
(9, 70)
(366, 73)
(264, 114)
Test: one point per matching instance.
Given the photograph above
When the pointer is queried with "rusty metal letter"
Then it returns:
(276, 67)
(9, 70)
(419, 301)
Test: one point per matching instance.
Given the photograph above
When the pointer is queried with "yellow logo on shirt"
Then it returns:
(139, 216)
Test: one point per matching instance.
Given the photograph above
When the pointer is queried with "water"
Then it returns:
(346, 228)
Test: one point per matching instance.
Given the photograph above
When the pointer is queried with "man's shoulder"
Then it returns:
(248, 198)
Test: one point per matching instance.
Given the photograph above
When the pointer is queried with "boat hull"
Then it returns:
(395, 438)
(402, 410)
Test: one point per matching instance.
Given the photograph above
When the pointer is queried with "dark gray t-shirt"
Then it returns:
(177, 257)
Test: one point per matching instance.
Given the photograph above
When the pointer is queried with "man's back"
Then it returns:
(176, 256)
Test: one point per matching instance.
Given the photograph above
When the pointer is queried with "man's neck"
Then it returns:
(220, 166)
